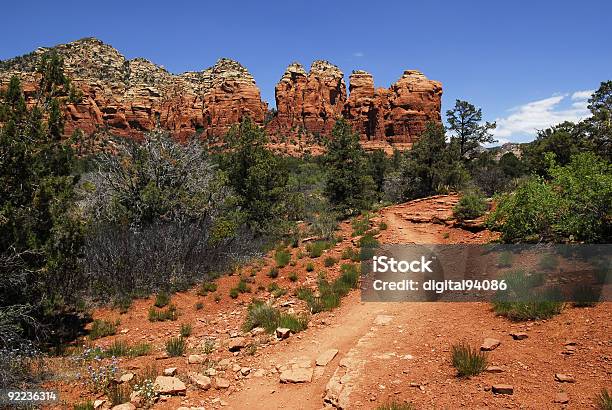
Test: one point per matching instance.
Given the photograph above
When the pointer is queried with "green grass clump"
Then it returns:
(186, 329)
(522, 311)
(329, 262)
(383, 226)
(199, 306)
(260, 314)
(157, 315)
(243, 287)
(360, 225)
(206, 287)
(309, 267)
(351, 253)
(234, 293)
(293, 277)
(162, 299)
(315, 249)
(87, 405)
(471, 206)
(102, 328)
(467, 360)
(118, 393)
(282, 258)
(396, 406)
(603, 400)
(273, 273)
(175, 346)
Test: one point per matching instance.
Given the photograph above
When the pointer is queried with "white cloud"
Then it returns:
(358, 54)
(524, 121)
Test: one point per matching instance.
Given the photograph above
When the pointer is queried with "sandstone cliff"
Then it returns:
(129, 97)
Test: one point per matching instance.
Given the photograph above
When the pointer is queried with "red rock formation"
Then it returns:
(310, 101)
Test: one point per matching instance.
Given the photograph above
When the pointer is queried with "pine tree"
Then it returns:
(465, 123)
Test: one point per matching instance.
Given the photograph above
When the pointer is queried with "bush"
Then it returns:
(293, 322)
(351, 253)
(199, 306)
(282, 258)
(162, 299)
(260, 314)
(293, 277)
(88, 405)
(309, 267)
(383, 226)
(242, 286)
(175, 346)
(505, 259)
(585, 296)
(186, 330)
(360, 225)
(521, 311)
(315, 249)
(471, 206)
(156, 315)
(468, 361)
(234, 293)
(329, 262)
(118, 393)
(273, 273)
(102, 328)
(603, 401)
(206, 287)
(548, 262)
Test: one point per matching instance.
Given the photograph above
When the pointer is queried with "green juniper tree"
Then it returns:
(465, 122)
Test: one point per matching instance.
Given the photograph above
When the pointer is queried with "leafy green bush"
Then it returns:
(282, 258)
(161, 315)
(329, 262)
(162, 299)
(102, 328)
(293, 277)
(206, 287)
(309, 267)
(315, 249)
(467, 360)
(471, 206)
(175, 346)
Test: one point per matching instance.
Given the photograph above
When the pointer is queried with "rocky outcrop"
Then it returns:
(395, 115)
(310, 101)
(128, 97)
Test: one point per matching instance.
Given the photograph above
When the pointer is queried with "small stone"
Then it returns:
(245, 370)
(502, 389)
(383, 320)
(326, 357)
(136, 399)
(236, 344)
(195, 359)
(124, 331)
(570, 343)
(126, 377)
(519, 335)
(169, 385)
(221, 383)
(283, 332)
(564, 378)
(203, 382)
(494, 369)
(562, 398)
(258, 331)
(297, 375)
(98, 403)
(236, 368)
(124, 406)
(224, 363)
(569, 350)
(170, 371)
(490, 344)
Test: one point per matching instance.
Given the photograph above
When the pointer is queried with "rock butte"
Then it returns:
(129, 97)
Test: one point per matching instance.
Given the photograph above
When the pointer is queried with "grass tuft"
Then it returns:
(468, 361)
(162, 299)
(186, 329)
(603, 400)
(175, 346)
(157, 315)
(102, 328)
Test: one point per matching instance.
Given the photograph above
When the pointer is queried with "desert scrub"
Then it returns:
(383, 226)
(505, 259)
(175, 346)
(87, 405)
(199, 306)
(329, 262)
(186, 330)
(206, 287)
(293, 277)
(146, 390)
(260, 314)
(467, 360)
(208, 346)
(102, 328)
(351, 253)
(162, 299)
(120, 348)
(603, 400)
(360, 225)
(273, 273)
(118, 393)
(161, 315)
(315, 249)
(523, 311)
(282, 258)
(234, 293)
(548, 262)
(309, 267)
(471, 206)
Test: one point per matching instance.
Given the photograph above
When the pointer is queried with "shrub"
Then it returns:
(309, 267)
(156, 315)
(175, 346)
(282, 258)
(118, 393)
(119, 348)
(217, 298)
(242, 286)
(329, 262)
(234, 293)
(351, 253)
(315, 249)
(293, 277)
(360, 225)
(350, 275)
(273, 273)
(186, 330)
(260, 314)
(162, 299)
(273, 286)
(293, 322)
(87, 405)
(468, 361)
(208, 346)
(199, 306)
(585, 296)
(471, 206)
(521, 311)
(383, 226)
(603, 400)
(102, 328)
(505, 259)
(206, 287)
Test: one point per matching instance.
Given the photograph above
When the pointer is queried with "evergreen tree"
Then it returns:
(349, 188)
(465, 123)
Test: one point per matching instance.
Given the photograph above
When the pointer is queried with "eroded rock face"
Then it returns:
(310, 101)
(128, 97)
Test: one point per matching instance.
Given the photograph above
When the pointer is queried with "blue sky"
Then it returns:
(528, 64)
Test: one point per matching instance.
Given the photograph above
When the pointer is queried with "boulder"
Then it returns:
(200, 380)
(170, 371)
(196, 359)
(561, 398)
(124, 406)
(564, 378)
(237, 343)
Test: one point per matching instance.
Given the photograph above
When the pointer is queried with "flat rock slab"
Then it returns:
(502, 389)
(170, 371)
(519, 335)
(489, 344)
(297, 375)
(124, 406)
(236, 344)
(561, 398)
(564, 378)
(221, 383)
(326, 357)
(382, 320)
(169, 385)
(494, 369)
(200, 380)
(195, 359)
